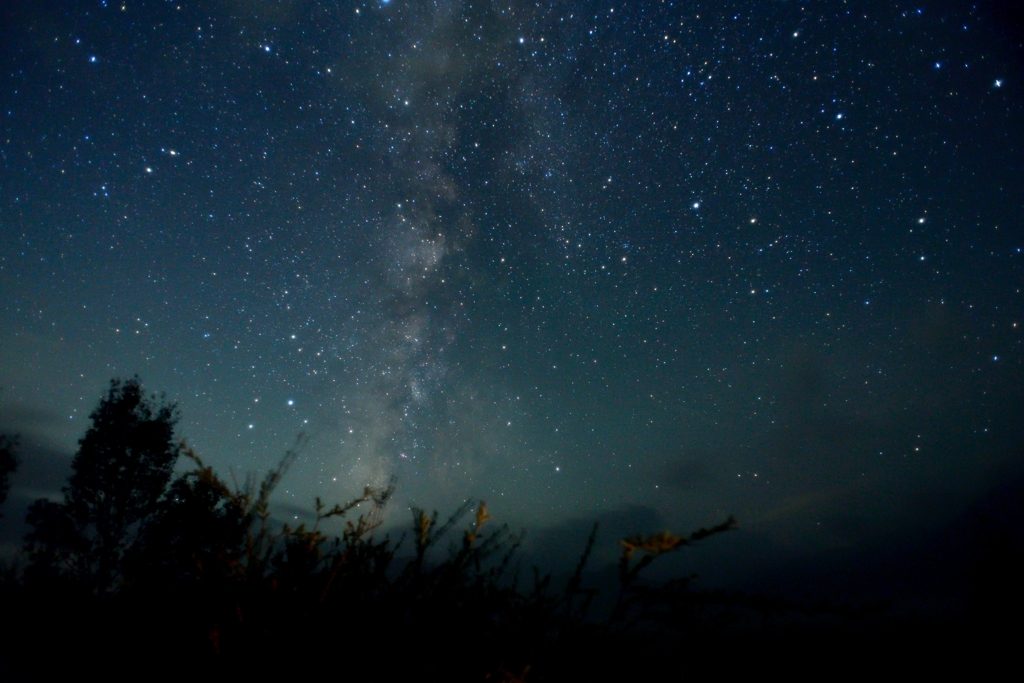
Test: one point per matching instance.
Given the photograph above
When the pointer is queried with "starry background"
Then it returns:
(653, 262)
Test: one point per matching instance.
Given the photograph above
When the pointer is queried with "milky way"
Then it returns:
(655, 261)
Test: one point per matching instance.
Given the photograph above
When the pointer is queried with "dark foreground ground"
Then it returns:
(46, 641)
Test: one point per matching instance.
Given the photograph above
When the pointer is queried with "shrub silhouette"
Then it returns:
(136, 560)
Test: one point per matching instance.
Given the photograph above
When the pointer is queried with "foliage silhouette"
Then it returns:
(137, 559)
(120, 472)
(652, 548)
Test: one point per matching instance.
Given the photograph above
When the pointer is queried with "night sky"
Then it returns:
(651, 261)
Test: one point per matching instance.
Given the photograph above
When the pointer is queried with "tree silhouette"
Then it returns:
(120, 472)
(8, 463)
